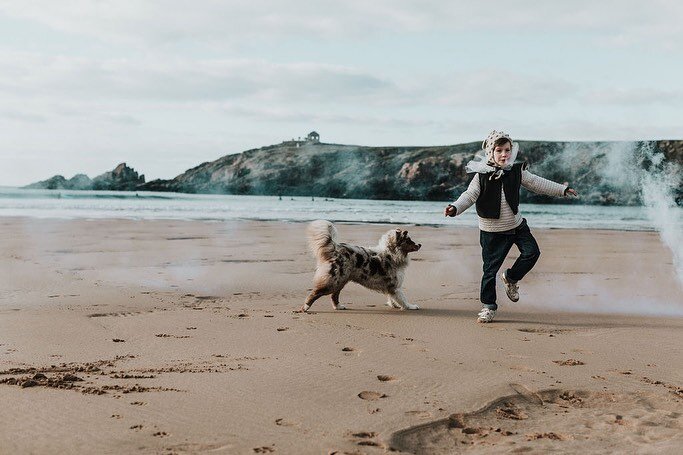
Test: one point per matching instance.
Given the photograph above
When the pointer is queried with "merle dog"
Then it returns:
(379, 268)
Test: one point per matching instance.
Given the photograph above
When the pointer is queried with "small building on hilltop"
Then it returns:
(312, 138)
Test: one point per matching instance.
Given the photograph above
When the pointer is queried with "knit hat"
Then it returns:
(483, 161)
(491, 139)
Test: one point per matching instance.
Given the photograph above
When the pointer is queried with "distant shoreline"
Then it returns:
(295, 221)
(73, 204)
(421, 173)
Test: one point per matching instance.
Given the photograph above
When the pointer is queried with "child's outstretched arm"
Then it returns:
(466, 199)
(533, 182)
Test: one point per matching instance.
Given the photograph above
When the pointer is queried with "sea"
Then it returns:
(145, 205)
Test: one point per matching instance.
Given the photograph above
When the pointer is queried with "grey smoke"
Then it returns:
(640, 169)
(657, 188)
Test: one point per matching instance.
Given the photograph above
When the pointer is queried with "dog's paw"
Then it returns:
(411, 306)
(303, 309)
(340, 307)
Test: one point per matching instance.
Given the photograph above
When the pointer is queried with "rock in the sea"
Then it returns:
(122, 178)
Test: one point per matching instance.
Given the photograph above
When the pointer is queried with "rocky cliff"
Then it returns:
(607, 173)
(122, 178)
(603, 172)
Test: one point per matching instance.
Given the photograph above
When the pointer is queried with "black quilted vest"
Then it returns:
(488, 202)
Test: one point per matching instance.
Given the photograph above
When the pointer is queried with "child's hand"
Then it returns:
(449, 210)
(571, 192)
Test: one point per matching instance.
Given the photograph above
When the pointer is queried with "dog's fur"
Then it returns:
(380, 268)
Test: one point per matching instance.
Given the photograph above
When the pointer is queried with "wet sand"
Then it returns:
(181, 337)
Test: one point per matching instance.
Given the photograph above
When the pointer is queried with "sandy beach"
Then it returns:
(181, 337)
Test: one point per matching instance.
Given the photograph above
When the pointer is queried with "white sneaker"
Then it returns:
(486, 315)
(511, 288)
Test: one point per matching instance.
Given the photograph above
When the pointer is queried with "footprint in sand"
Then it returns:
(364, 434)
(364, 438)
(348, 349)
(569, 362)
(371, 396)
(419, 414)
(284, 423)
(370, 443)
(385, 378)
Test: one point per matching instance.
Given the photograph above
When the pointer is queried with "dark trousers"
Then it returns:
(494, 247)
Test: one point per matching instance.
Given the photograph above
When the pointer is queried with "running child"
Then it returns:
(495, 191)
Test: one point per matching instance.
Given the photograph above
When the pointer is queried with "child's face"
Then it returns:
(502, 153)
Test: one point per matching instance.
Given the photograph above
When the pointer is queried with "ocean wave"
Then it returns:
(151, 205)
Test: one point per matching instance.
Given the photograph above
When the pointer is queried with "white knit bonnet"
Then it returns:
(491, 139)
(483, 162)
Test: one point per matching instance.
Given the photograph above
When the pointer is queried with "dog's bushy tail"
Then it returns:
(322, 239)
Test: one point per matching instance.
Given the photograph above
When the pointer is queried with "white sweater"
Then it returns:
(507, 220)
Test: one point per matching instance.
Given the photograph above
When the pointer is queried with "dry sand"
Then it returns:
(180, 337)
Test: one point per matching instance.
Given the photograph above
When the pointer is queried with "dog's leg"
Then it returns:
(335, 301)
(400, 297)
(392, 303)
(312, 297)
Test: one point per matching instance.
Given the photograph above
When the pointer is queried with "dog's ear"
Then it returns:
(405, 239)
(406, 244)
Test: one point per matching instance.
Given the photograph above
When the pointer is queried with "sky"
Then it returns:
(165, 85)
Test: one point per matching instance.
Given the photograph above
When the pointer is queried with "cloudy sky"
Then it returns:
(165, 85)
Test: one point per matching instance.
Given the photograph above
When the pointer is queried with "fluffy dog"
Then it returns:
(380, 268)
